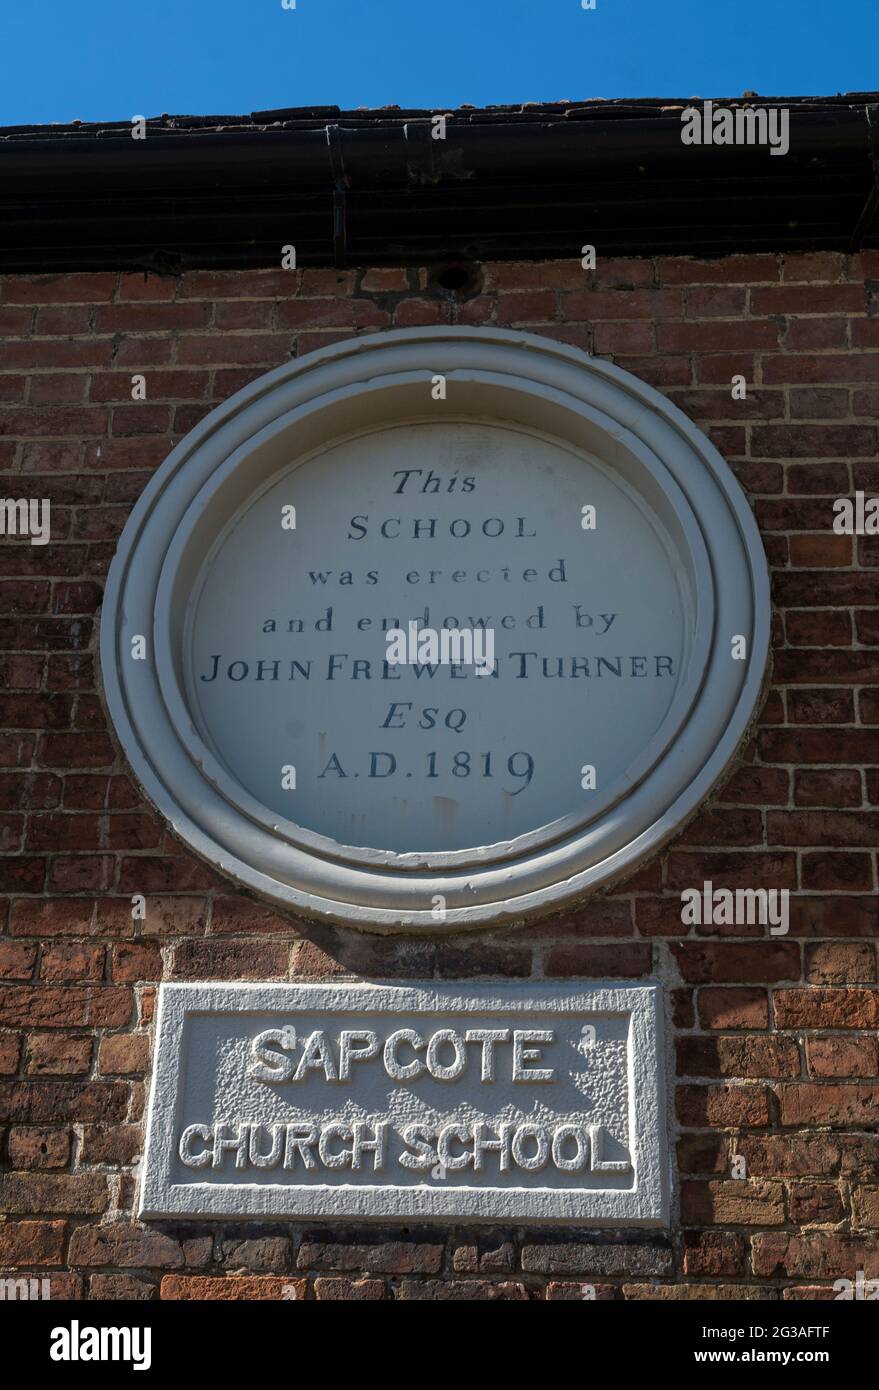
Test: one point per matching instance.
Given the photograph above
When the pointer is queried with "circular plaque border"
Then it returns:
(378, 381)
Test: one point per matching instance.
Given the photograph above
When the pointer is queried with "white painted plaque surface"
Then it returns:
(486, 1102)
(287, 637)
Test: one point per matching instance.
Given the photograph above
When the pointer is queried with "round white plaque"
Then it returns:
(435, 628)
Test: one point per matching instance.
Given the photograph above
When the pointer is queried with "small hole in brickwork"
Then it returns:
(458, 277)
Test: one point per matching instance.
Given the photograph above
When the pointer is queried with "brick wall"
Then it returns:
(775, 1037)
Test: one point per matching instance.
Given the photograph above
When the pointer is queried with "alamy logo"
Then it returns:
(75, 1343)
(858, 516)
(451, 646)
(24, 1290)
(22, 516)
(745, 125)
(743, 906)
(861, 1287)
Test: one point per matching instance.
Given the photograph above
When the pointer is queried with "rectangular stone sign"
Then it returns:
(490, 1102)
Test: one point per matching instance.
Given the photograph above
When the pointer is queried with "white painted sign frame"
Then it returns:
(360, 385)
(645, 1204)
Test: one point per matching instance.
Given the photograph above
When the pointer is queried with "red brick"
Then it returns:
(222, 959)
(833, 746)
(116, 1146)
(828, 1104)
(826, 1008)
(136, 961)
(624, 338)
(62, 1102)
(839, 963)
(820, 333)
(835, 1056)
(10, 1053)
(813, 1204)
(382, 1257)
(76, 750)
(627, 960)
(36, 1243)
(733, 1008)
(385, 280)
(124, 1054)
(128, 1247)
(736, 1203)
(251, 1289)
(72, 960)
(710, 1254)
(732, 870)
(58, 1054)
(596, 305)
(722, 1106)
(17, 960)
(51, 917)
(831, 787)
(31, 1146)
(349, 1290)
(831, 828)
(809, 299)
(463, 1290)
(814, 265)
(837, 872)
(80, 873)
(68, 288)
(815, 551)
(242, 915)
(865, 1207)
(730, 270)
(814, 1254)
(717, 335)
(703, 1153)
(57, 1007)
(532, 306)
(738, 963)
(54, 1194)
(121, 1288)
(744, 1057)
(235, 284)
(817, 403)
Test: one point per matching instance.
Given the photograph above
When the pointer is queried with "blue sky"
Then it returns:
(110, 59)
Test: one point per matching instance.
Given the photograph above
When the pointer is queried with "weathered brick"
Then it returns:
(826, 1008)
(36, 1147)
(53, 1194)
(713, 1254)
(128, 1247)
(814, 1254)
(736, 1203)
(36, 1243)
(349, 1290)
(58, 1054)
(828, 1104)
(840, 1056)
(459, 1290)
(723, 1106)
(110, 1146)
(124, 1054)
(614, 1257)
(121, 1288)
(383, 1257)
(40, 1101)
(256, 1289)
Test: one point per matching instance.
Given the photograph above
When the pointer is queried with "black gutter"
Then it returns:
(372, 188)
